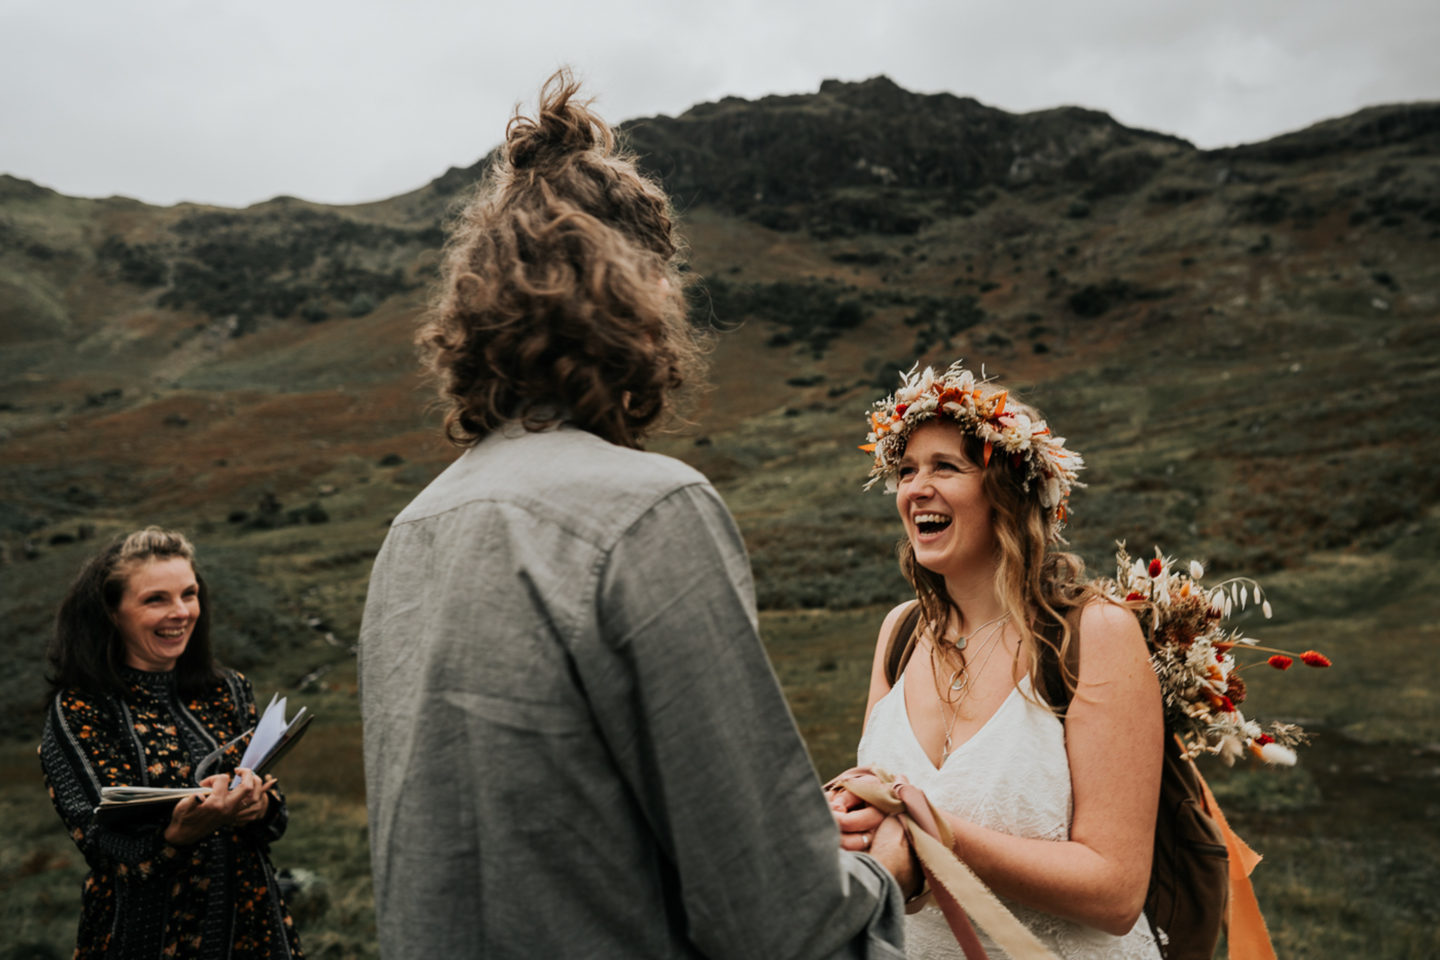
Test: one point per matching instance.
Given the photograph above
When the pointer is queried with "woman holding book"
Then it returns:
(1053, 807)
(139, 701)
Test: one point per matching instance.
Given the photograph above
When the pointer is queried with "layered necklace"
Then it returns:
(961, 678)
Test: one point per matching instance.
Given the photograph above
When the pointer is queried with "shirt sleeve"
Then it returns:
(80, 753)
(715, 757)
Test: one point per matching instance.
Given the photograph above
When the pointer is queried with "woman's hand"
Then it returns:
(255, 806)
(195, 818)
(857, 820)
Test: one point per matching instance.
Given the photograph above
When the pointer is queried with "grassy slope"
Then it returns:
(1267, 413)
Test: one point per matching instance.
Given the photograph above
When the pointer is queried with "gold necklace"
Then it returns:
(960, 678)
(964, 638)
(961, 682)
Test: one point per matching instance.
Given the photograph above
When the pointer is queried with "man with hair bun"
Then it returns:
(574, 743)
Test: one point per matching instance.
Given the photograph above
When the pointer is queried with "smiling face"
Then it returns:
(158, 612)
(941, 499)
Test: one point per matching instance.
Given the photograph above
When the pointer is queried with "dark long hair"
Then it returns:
(87, 651)
(561, 297)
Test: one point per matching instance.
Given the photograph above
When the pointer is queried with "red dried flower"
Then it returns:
(1280, 662)
(1155, 567)
(1313, 659)
(1264, 738)
(900, 409)
(1134, 595)
(1226, 705)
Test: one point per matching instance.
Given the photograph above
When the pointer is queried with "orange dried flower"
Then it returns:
(1314, 659)
(1280, 662)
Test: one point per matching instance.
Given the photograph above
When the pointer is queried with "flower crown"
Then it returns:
(981, 412)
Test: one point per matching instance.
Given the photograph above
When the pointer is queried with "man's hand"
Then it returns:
(892, 848)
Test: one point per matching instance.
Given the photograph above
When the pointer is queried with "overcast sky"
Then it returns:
(232, 103)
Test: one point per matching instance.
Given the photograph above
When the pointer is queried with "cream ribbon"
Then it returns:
(956, 889)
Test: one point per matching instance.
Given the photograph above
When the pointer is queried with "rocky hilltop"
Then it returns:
(1247, 334)
(1242, 342)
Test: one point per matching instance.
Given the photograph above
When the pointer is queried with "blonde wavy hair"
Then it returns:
(561, 297)
(1037, 585)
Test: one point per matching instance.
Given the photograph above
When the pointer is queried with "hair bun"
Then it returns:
(563, 126)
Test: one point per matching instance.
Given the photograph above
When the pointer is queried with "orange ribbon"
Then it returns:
(1246, 933)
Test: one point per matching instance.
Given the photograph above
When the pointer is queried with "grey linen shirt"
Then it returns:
(574, 743)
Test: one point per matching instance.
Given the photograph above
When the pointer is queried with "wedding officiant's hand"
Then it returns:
(195, 818)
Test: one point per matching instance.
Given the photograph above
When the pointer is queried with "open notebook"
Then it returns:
(272, 739)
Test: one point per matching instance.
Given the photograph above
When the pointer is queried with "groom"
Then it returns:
(574, 743)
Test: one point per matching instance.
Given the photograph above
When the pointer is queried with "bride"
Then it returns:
(1056, 815)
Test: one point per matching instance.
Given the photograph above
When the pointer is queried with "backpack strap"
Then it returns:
(1052, 679)
(1056, 691)
(902, 644)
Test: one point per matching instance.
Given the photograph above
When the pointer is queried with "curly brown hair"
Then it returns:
(561, 296)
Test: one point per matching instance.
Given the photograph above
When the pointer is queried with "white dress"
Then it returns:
(1012, 776)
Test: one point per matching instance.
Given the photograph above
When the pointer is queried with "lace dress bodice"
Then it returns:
(1013, 776)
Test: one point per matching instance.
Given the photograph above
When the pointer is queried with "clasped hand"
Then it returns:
(865, 829)
(195, 818)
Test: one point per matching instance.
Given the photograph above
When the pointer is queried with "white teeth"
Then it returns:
(931, 518)
(173, 633)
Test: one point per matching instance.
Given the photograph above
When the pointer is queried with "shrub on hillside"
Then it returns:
(135, 263)
(287, 261)
(804, 313)
(1094, 299)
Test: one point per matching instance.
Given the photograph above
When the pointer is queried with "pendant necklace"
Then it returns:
(958, 680)
(960, 683)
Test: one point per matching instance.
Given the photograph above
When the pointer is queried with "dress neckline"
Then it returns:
(156, 681)
(960, 748)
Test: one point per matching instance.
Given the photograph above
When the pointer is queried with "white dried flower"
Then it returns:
(1277, 754)
(1050, 494)
(1196, 571)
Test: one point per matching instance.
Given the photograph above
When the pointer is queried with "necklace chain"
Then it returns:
(961, 679)
(964, 639)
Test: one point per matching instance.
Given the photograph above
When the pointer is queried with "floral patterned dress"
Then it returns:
(144, 897)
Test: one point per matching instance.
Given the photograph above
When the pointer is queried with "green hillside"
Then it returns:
(1243, 343)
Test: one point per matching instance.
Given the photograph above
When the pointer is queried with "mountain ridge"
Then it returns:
(1056, 246)
(1243, 343)
(874, 91)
